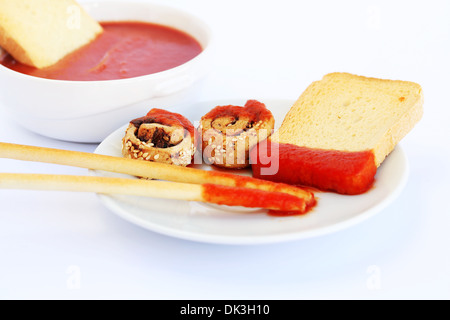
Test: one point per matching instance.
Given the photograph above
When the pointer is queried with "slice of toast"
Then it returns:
(341, 129)
(39, 33)
(353, 113)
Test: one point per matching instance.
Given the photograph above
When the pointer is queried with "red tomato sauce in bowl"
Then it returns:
(124, 50)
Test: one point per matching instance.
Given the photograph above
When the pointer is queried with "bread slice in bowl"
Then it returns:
(40, 33)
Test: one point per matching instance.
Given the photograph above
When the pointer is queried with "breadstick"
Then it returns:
(155, 189)
(146, 169)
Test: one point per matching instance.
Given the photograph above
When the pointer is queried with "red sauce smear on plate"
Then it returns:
(252, 198)
(264, 185)
(123, 50)
(327, 170)
(288, 213)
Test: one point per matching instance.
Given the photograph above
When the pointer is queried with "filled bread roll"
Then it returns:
(229, 132)
(160, 136)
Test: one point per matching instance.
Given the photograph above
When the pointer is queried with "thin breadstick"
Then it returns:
(146, 169)
(155, 189)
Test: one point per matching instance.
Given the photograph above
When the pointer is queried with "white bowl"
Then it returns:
(88, 111)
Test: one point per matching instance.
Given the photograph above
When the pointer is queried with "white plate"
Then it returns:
(227, 225)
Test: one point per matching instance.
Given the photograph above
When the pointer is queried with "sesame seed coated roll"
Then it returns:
(229, 132)
(160, 136)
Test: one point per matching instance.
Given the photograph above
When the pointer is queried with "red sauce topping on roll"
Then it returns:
(166, 118)
(253, 110)
(342, 172)
(123, 50)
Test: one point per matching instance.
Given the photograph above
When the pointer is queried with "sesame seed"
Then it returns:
(157, 157)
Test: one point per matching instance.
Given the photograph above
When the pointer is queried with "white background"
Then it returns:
(265, 49)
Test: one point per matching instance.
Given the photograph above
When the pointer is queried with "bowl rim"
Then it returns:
(205, 49)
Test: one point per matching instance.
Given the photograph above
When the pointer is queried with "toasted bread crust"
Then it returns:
(394, 135)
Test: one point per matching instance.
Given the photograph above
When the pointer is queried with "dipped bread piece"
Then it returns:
(160, 136)
(39, 33)
(229, 132)
(340, 130)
